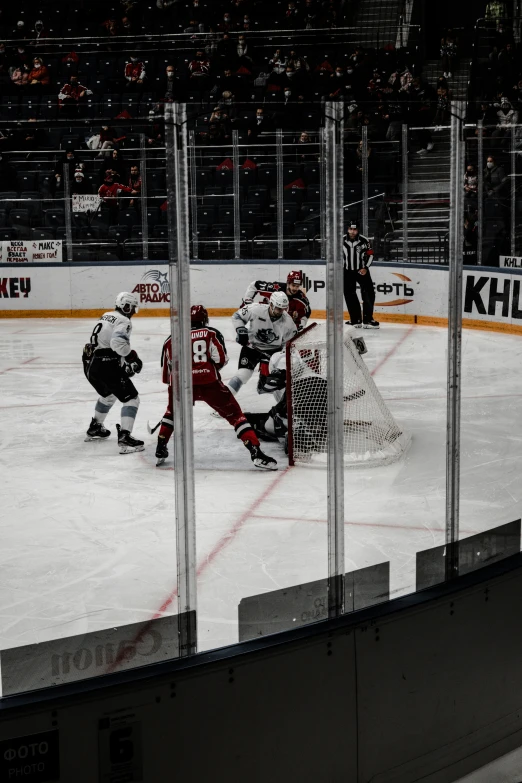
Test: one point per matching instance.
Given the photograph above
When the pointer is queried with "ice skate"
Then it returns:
(162, 451)
(259, 459)
(372, 324)
(127, 443)
(96, 431)
(357, 324)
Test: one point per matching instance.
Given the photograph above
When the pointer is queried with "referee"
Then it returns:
(357, 258)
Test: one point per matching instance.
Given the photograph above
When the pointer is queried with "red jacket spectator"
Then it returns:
(110, 190)
(135, 71)
(72, 92)
(199, 66)
(39, 73)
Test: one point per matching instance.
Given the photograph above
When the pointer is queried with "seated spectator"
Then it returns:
(134, 73)
(79, 185)
(243, 51)
(116, 164)
(39, 75)
(38, 34)
(494, 178)
(278, 62)
(135, 183)
(72, 95)
(19, 75)
(470, 182)
(110, 192)
(306, 150)
(173, 87)
(108, 140)
(260, 124)
(199, 67)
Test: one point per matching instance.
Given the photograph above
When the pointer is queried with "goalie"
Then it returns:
(310, 421)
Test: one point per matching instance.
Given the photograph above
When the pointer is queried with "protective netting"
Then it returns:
(371, 434)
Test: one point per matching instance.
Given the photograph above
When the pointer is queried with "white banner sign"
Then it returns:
(20, 252)
(515, 262)
(85, 203)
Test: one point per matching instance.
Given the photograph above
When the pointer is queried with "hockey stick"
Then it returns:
(152, 430)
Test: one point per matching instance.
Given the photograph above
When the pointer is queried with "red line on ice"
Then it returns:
(19, 366)
(391, 525)
(218, 548)
(392, 350)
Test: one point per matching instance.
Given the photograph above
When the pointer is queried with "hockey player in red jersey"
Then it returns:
(299, 306)
(209, 355)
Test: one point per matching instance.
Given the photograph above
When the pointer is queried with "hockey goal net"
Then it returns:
(371, 435)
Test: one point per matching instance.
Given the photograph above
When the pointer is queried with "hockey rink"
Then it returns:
(88, 535)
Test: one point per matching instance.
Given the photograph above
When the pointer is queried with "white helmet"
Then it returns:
(279, 299)
(125, 302)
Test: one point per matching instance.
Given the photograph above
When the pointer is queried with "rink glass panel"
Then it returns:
(261, 537)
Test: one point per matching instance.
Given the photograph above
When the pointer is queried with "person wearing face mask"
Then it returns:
(135, 74)
(495, 178)
(172, 85)
(38, 75)
(243, 50)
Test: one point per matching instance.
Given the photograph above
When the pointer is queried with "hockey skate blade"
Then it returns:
(263, 466)
(131, 449)
(160, 462)
(89, 440)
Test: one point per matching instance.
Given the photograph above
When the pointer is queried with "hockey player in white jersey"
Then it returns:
(261, 330)
(109, 363)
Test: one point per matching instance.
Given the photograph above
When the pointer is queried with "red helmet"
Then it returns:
(198, 315)
(295, 277)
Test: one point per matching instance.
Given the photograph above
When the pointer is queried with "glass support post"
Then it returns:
(68, 210)
(334, 127)
(365, 180)
(193, 193)
(456, 239)
(237, 214)
(322, 182)
(279, 161)
(179, 268)
(405, 192)
(512, 224)
(144, 205)
(480, 190)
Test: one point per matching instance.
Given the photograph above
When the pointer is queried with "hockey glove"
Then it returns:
(267, 384)
(242, 335)
(133, 362)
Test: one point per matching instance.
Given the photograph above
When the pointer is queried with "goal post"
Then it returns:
(372, 437)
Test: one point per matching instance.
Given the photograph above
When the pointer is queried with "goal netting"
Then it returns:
(371, 435)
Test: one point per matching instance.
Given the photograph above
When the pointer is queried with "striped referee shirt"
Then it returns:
(357, 254)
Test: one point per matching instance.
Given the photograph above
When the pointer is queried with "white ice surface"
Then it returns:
(88, 536)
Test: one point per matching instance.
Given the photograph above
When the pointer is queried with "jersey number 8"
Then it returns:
(199, 348)
(95, 332)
